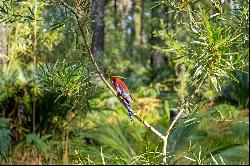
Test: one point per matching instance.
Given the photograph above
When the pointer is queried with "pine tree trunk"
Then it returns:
(136, 13)
(132, 35)
(98, 7)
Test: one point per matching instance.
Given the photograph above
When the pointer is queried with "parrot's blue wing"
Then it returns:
(125, 95)
(127, 103)
(129, 112)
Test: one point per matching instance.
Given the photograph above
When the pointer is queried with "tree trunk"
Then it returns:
(158, 58)
(136, 13)
(115, 18)
(133, 3)
(98, 7)
(122, 11)
(3, 42)
(142, 33)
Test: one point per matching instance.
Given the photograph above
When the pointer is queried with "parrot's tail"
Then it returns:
(129, 113)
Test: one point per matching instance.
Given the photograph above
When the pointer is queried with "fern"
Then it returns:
(35, 140)
(5, 135)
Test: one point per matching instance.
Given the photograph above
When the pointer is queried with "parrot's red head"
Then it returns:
(114, 79)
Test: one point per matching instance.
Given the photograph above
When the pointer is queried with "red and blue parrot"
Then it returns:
(123, 91)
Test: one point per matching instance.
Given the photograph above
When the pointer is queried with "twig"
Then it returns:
(177, 117)
(148, 125)
(69, 7)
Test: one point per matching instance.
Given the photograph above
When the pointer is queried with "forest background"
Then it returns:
(186, 64)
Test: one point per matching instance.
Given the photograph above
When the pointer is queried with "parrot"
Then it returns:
(123, 91)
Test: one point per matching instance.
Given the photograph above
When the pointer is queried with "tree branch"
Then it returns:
(90, 54)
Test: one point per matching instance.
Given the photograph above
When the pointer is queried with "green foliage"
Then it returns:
(69, 81)
(8, 83)
(5, 136)
(65, 79)
(119, 143)
(241, 89)
(28, 35)
(214, 48)
(195, 142)
(34, 139)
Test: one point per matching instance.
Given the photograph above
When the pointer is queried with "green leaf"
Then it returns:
(35, 140)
